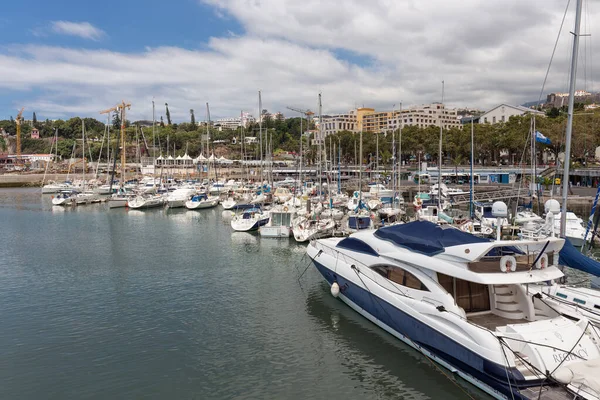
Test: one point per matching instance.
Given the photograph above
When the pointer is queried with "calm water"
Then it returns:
(99, 303)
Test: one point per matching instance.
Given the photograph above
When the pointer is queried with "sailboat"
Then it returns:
(88, 195)
(360, 217)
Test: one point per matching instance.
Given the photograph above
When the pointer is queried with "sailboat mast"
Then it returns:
(83, 150)
(399, 170)
(440, 153)
(360, 167)
(472, 179)
(573, 78)
(260, 118)
(301, 140)
(153, 132)
(320, 169)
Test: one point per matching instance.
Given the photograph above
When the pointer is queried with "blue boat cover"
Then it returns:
(358, 245)
(571, 257)
(426, 237)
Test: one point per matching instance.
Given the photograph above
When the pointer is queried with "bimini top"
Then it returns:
(426, 237)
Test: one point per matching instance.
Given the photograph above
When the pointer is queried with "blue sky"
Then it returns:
(74, 58)
(129, 25)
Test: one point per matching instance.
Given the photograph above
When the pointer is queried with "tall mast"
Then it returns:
(83, 150)
(153, 133)
(440, 153)
(563, 215)
(360, 168)
(399, 172)
(472, 178)
(260, 117)
(300, 168)
(321, 139)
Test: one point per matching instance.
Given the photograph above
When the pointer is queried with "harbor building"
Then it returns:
(370, 120)
(425, 115)
(502, 113)
(233, 123)
(340, 122)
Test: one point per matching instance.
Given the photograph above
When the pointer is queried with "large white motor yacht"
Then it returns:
(464, 302)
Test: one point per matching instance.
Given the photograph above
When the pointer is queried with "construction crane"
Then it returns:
(121, 108)
(18, 121)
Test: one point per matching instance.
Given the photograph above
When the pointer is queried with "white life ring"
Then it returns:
(508, 264)
(542, 262)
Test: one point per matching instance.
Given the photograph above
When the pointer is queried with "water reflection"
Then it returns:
(375, 359)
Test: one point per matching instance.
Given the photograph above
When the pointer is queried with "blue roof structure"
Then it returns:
(426, 237)
(357, 245)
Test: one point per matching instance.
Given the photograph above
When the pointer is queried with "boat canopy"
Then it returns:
(199, 197)
(571, 257)
(426, 237)
(357, 245)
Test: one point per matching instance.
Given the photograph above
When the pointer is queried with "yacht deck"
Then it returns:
(492, 321)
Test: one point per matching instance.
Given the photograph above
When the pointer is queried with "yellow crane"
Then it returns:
(18, 121)
(121, 108)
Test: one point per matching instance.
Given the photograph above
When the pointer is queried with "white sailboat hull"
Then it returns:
(198, 205)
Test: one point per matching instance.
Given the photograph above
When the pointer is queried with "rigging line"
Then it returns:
(525, 362)
(576, 306)
(554, 51)
(417, 347)
(539, 255)
(506, 371)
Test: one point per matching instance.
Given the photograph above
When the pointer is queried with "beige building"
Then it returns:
(435, 114)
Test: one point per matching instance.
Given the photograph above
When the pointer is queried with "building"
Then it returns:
(503, 112)
(340, 122)
(35, 133)
(233, 123)
(370, 120)
(435, 114)
(559, 100)
(376, 121)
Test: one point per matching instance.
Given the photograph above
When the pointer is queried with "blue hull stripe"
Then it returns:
(453, 353)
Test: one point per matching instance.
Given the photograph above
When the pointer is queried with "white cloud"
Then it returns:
(486, 52)
(83, 30)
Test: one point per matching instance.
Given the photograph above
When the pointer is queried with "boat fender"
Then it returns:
(508, 264)
(542, 262)
(335, 289)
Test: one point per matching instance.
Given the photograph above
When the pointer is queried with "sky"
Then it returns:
(69, 58)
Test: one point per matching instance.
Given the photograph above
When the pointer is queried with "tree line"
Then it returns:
(494, 144)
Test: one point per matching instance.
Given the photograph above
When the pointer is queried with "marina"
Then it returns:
(114, 303)
(393, 250)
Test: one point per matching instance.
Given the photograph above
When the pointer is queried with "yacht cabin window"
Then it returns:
(470, 296)
(400, 276)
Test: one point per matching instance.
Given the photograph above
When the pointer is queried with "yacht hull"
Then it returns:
(117, 202)
(275, 231)
(243, 226)
(482, 373)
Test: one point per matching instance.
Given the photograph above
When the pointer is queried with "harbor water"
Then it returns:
(98, 303)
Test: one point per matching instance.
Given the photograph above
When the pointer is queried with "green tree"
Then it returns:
(192, 118)
(34, 119)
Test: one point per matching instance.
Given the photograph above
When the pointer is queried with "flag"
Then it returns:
(541, 138)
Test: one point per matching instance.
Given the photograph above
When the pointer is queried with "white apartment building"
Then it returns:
(234, 123)
(340, 122)
(435, 114)
(503, 112)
